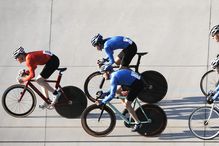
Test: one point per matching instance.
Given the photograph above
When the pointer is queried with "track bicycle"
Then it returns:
(20, 101)
(204, 122)
(155, 84)
(101, 120)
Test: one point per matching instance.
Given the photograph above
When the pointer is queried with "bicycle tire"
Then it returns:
(20, 109)
(158, 120)
(155, 87)
(74, 105)
(92, 85)
(209, 81)
(90, 116)
(199, 127)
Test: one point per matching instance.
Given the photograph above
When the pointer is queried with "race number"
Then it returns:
(136, 75)
(127, 40)
(47, 53)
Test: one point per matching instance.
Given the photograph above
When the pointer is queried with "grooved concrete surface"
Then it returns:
(174, 32)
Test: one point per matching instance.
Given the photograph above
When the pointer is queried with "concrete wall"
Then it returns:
(174, 32)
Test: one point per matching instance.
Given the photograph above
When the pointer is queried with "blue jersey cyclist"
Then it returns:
(122, 78)
(129, 48)
(213, 95)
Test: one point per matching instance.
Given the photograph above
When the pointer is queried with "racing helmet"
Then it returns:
(18, 51)
(215, 63)
(97, 39)
(214, 30)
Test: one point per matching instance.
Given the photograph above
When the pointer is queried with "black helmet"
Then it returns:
(214, 30)
(97, 39)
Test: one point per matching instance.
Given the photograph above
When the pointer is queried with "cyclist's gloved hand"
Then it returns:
(100, 95)
(101, 62)
(210, 100)
(23, 72)
(211, 93)
(99, 103)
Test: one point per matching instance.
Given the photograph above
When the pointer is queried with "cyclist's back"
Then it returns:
(124, 77)
(37, 58)
(129, 49)
(117, 42)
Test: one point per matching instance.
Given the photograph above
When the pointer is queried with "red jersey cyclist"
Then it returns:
(33, 59)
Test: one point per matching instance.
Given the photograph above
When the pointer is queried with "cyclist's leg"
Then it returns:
(129, 53)
(119, 58)
(135, 89)
(47, 71)
(44, 85)
(131, 110)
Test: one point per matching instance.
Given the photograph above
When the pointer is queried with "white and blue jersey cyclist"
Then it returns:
(129, 48)
(125, 78)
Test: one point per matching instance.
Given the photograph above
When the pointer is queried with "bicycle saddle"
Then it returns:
(61, 69)
(142, 53)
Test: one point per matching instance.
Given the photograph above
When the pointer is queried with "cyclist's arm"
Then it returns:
(31, 70)
(109, 54)
(113, 89)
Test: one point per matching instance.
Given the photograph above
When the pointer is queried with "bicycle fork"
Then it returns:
(101, 113)
(209, 116)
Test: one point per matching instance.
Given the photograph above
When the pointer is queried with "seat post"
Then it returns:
(138, 63)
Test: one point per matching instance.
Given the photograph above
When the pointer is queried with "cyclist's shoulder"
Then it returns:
(122, 72)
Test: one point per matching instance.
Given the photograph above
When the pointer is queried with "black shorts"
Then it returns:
(127, 54)
(50, 67)
(136, 87)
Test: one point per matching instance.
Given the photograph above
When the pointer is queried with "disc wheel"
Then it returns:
(155, 87)
(72, 104)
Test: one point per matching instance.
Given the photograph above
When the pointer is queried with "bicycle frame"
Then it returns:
(214, 105)
(116, 111)
(33, 87)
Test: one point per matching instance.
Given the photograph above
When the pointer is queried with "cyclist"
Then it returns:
(129, 48)
(33, 59)
(213, 95)
(126, 78)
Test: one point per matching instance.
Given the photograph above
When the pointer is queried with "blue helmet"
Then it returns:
(97, 39)
(105, 68)
(214, 30)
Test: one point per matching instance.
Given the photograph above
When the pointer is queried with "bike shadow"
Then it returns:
(178, 111)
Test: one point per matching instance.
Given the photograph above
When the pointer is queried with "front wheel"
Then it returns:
(95, 82)
(98, 122)
(209, 81)
(203, 122)
(155, 87)
(16, 106)
(72, 102)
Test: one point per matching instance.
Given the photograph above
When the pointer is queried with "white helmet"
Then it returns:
(215, 63)
(214, 30)
(18, 51)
